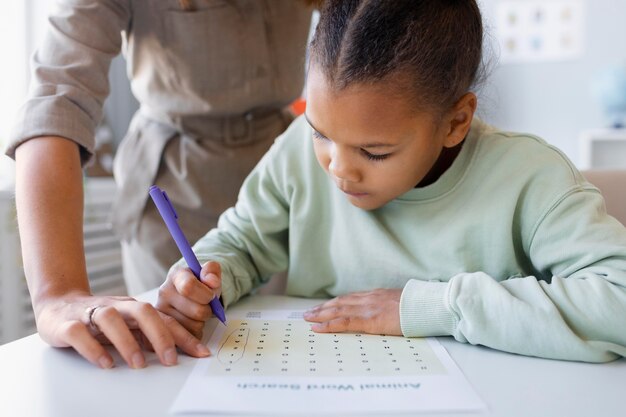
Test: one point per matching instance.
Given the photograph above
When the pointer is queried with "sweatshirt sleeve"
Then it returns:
(70, 73)
(251, 238)
(573, 309)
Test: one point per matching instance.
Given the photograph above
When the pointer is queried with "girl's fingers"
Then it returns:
(187, 285)
(375, 312)
(77, 335)
(328, 313)
(339, 318)
(195, 327)
(211, 274)
(355, 298)
(348, 299)
(340, 325)
(190, 309)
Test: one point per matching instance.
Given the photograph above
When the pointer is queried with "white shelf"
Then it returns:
(603, 149)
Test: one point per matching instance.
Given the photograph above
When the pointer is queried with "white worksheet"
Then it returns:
(271, 362)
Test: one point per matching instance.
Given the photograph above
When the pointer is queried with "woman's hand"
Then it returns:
(186, 298)
(86, 323)
(374, 312)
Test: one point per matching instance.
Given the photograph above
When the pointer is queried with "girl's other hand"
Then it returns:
(374, 312)
(186, 298)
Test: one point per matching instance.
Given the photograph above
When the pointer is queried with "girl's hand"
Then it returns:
(186, 298)
(86, 323)
(374, 312)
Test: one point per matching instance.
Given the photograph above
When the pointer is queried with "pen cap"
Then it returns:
(155, 189)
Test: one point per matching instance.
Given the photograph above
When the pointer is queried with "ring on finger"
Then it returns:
(90, 312)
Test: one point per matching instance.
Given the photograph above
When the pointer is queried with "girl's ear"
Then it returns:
(460, 119)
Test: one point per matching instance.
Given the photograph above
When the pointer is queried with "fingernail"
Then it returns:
(171, 358)
(203, 350)
(105, 362)
(138, 361)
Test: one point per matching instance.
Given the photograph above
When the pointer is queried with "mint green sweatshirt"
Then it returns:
(510, 248)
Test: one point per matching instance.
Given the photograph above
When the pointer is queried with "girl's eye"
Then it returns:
(318, 135)
(374, 157)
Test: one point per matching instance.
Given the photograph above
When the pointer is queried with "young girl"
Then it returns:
(420, 220)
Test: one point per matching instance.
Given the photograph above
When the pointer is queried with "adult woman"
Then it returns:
(212, 77)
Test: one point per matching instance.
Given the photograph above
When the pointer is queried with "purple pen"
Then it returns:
(166, 210)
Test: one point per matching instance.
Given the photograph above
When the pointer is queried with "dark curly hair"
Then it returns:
(431, 49)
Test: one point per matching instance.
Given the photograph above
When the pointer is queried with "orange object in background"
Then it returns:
(298, 106)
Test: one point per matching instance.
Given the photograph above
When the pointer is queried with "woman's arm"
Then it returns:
(54, 134)
(49, 201)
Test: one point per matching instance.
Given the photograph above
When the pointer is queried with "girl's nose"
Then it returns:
(342, 168)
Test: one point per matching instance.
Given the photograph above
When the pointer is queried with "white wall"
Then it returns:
(13, 77)
(23, 22)
(553, 99)
(22, 25)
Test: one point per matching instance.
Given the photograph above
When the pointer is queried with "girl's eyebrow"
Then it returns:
(365, 145)
(313, 127)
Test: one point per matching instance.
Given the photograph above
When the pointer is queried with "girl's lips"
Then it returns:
(354, 194)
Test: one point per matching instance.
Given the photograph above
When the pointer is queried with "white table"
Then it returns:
(37, 380)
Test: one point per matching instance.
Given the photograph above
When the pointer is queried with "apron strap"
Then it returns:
(137, 164)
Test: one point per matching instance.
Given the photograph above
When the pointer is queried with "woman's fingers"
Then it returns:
(75, 334)
(187, 342)
(151, 324)
(160, 331)
(128, 324)
(86, 323)
(112, 325)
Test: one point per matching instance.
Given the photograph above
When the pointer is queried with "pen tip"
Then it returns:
(221, 318)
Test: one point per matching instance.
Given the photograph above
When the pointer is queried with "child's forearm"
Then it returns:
(575, 310)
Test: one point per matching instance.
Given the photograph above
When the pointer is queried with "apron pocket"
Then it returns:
(207, 48)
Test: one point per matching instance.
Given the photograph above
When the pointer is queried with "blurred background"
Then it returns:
(556, 68)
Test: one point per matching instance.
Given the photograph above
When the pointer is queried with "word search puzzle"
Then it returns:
(288, 347)
(271, 362)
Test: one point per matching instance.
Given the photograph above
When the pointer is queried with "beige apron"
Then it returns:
(196, 143)
(202, 177)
